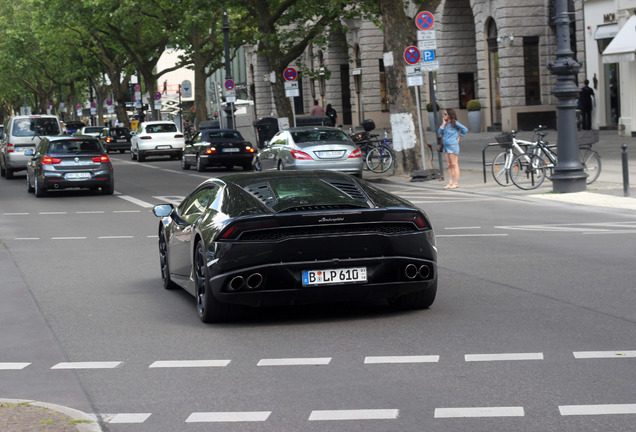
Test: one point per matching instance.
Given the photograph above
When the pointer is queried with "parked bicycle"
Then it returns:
(529, 170)
(380, 158)
(512, 147)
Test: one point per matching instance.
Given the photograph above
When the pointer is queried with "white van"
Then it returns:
(22, 133)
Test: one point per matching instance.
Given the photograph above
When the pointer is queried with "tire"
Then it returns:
(499, 171)
(184, 164)
(110, 189)
(414, 301)
(591, 164)
(141, 156)
(528, 171)
(280, 166)
(9, 173)
(30, 189)
(210, 310)
(133, 156)
(257, 165)
(379, 160)
(3, 171)
(39, 190)
(163, 263)
(200, 166)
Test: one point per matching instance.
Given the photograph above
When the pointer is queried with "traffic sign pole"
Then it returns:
(290, 74)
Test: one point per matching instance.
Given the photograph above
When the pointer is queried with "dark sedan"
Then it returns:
(64, 162)
(218, 147)
(115, 138)
(284, 238)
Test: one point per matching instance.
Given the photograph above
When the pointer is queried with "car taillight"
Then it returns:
(178, 136)
(9, 148)
(211, 150)
(355, 154)
(108, 139)
(249, 149)
(416, 218)
(296, 154)
(235, 229)
(101, 159)
(145, 137)
(48, 160)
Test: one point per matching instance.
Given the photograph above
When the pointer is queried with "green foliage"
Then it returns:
(473, 105)
(429, 107)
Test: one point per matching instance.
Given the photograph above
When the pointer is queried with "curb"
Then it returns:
(71, 413)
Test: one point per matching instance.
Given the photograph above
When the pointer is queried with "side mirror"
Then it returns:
(163, 210)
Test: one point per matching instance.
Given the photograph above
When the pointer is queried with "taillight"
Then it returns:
(101, 159)
(235, 229)
(9, 148)
(108, 139)
(211, 150)
(297, 154)
(416, 218)
(249, 149)
(356, 153)
(48, 160)
(145, 137)
(178, 136)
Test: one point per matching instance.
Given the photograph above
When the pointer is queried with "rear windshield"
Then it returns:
(25, 127)
(319, 135)
(224, 134)
(74, 146)
(119, 132)
(93, 129)
(158, 128)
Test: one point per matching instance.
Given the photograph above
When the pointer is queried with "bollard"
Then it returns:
(625, 171)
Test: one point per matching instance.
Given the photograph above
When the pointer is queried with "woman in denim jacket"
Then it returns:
(451, 131)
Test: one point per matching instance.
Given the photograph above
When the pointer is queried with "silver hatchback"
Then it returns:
(311, 148)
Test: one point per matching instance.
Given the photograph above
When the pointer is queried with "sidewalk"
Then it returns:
(607, 191)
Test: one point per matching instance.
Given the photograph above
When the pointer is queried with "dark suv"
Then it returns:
(115, 138)
(69, 162)
(218, 147)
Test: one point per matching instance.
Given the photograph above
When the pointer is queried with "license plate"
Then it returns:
(329, 154)
(77, 176)
(159, 147)
(122, 140)
(334, 276)
(230, 150)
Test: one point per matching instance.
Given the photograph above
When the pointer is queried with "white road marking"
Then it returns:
(136, 201)
(116, 237)
(13, 366)
(236, 416)
(471, 235)
(503, 357)
(401, 359)
(127, 211)
(571, 410)
(189, 363)
(52, 213)
(68, 238)
(122, 417)
(460, 228)
(86, 365)
(295, 361)
(15, 214)
(27, 238)
(479, 412)
(604, 354)
(90, 212)
(357, 414)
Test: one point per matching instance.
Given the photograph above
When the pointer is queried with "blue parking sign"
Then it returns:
(428, 55)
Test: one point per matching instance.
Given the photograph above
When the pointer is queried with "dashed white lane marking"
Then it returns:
(68, 238)
(503, 357)
(357, 414)
(14, 214)
(572, 410)
(479, 412)
(237, 416)
(460, 228)
(86, 365)
(116, 237)
(126, 211)
(189, 363)
(122, 417)
(295, 361)
(136, 201)
(604, 354)
(471, 235)
(27, 238)
(401, 359)
(52, 213)
(90, 212)
(13, 366)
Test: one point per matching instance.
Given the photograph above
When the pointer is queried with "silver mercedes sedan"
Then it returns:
(311, 148)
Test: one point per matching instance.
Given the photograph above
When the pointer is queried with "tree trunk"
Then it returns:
(399, 33)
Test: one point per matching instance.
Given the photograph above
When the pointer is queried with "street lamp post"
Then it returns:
(569, 175)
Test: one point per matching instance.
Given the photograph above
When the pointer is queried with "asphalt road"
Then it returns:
(533, 327)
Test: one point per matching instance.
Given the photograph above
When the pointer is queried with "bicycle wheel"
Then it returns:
(501, 168)
(591, 164)
(527, 171)
(379, 159)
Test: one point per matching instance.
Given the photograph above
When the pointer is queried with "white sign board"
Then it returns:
(230, 96)
(186, 89)
(430, 66)
(291, 89)
(426, 40)
(414, 75)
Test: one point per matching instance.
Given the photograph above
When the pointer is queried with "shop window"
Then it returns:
(531, 70)
(466, 87)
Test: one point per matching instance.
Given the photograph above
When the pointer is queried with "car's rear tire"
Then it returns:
(3, 172)
(163, 263)
(416, 300)
(210, 310)
(200, 166)
(40, 191)
(184, 165)
(141, 156)
(30, 189)
(109, 189)
(257, 165)
(9, 173)
(133, 156)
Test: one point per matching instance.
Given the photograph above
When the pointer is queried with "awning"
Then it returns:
(606, 31)
(623, 46)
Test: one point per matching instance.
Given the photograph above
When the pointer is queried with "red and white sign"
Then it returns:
(424, 20)
(290, 74)
(412, 55)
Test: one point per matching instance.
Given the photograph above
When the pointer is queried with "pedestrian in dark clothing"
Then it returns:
(586, 103)
(333, 115)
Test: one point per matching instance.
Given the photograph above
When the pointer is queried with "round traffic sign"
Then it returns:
(412, 55)
(424, 20)
(229, 84)
(290, 74)
(109, 101)
(157, 96)
(137, 87)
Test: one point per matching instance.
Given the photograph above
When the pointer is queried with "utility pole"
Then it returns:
(229, 108)
(569, 175)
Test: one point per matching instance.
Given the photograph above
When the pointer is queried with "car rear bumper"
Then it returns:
(228, 159)
(281, 284)
(117, 146)
(58, 181)
(353, 166)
